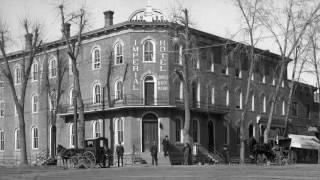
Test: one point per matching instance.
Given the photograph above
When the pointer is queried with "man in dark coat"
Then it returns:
(166, 143)
(154, 153)
(186, 153)
(120, 151)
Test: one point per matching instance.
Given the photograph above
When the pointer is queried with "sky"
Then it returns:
(218, 17)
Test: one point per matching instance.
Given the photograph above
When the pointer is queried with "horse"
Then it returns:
(66, 154)
(260, 152)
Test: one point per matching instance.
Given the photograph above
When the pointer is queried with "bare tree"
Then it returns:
(74, 46)
(279, 22)
(249, 10)
(33, 43)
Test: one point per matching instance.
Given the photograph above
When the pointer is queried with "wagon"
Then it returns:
(282, 151)
(92, 155)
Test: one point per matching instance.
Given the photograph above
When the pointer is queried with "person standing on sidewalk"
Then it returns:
(120, 151)
(166, 144)
(154, 153)
(186, 154)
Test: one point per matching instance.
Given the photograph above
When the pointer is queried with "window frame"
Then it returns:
(153, 55)
(35, 71)
(35, 138)
(35, 105)
(2, 140)
(96, 61)
(196, 131)
(17, 145)
(2, 108)
(119, 131)
(99, 124)
(97, 96)
(118, 92)
(71, 136)
(17, 75)
(118, 58)
(253, 103)
(53, 67)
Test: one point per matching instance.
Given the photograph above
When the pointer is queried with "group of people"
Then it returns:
(153, 151)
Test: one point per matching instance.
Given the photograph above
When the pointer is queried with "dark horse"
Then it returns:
(260, 152)
(66, 154)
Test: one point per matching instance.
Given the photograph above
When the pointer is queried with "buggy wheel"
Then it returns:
(261, 159)
(75, 161)
(89, 159)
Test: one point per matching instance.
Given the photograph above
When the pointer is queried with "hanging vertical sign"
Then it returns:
(163, 79)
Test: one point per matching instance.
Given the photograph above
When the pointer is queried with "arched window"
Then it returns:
(72, 136)
(118, 51)
(283, 112)
(212, 95)
(252, 103)
(96, 58)
(239, 99)
(17, 139)
(52, 100)
(35, 103)
(195, 131)
(2, 108)
(71, 97)
(35, 71)
(119, 130)
(35, 138)
(148, 51)
(17, 74)
(119, 90)
(52, 68)
(227, 97)
(96, 93)
(1, 140)
(149, 90)
(264, 104)
(178, 130)
(181, 90)
(196, 94)
(97, 129)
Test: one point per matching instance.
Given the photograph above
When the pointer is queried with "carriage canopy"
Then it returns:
(304, 142)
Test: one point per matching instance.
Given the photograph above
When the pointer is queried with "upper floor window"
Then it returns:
(1, 140)
(35, 138)
(17, 139)
(252, 102)
(70, 66)
(96, 93)
(97, 129)
(212, 62)
(181, 90)
(227, 97)
(35, 71)
(71, 97)
(283, 108)
(52, 100)
(119, 90)
(35, 103)
(148, 51)
(263, 78)
(252, 77)
(2, 108)
(17, 75)
(273, 81)
(294, 108)
(239, 101)
(264, 104)
(212, 96)
(118, 51)
(52, 68)
(238, 73)
(119, 130)
(282, 83)
(96, 58)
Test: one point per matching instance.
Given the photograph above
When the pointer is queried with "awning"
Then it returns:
(276, 122)
(304, 142)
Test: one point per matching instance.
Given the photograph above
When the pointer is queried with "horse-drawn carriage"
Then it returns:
(277, 152)
(94, 153)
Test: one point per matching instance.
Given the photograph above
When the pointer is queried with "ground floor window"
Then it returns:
(17, 139)
(35, 138)
(178, 130)
(119, 130)
(97, 129)
(1, 140)
(195, 127)
(72, 136)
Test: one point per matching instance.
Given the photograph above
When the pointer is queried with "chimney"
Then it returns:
(108, 18)
(67, 29)
(28, 41)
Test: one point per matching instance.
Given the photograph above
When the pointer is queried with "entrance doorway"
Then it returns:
(211, 134)
(149, 131)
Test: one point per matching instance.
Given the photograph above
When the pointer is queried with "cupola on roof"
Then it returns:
(147, 14)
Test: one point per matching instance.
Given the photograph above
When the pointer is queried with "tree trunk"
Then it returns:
(23, 144)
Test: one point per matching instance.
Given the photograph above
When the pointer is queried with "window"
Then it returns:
(97, 129)
(282, 83)
(196, 94)
(17, 139)
(72, 136)
(273, 81)
(71, 97)
(180, 55)
(70, 66)
(96, 59)
(119, 90)
(238, 73)
(119, 131)
(294, 108)
(1, 140)
(149, 90)
(53, 68)
(226, 134)
(1, 88)
(17, 75)
(2, 108)
(252, 103)
(35, 71)
(239, 101)
(212, 96)
(148, 51)
(263, 78)
(195, 131)
(118, 51)
(225, 70)
(212, 62)
(181, 90)
(264, 104)
(227, 97)
(53, 100)
(96, 93)
(238, 135)
(283, 112)
(252, 77)
(308, 111)
(35, 103)
(35, 138)
(178, 130)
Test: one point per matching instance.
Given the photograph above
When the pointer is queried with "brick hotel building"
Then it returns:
(146, 96)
